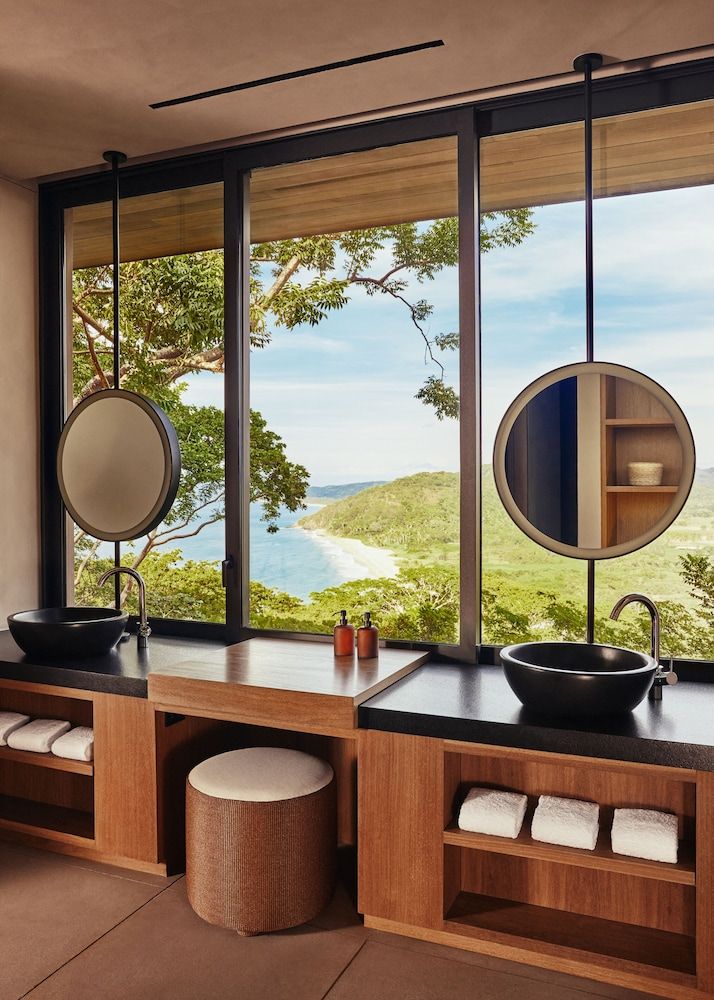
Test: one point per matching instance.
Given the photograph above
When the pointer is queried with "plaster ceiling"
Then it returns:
(76, 77)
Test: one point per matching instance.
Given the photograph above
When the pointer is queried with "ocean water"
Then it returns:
(292, 559)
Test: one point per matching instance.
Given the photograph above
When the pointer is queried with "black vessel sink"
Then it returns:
(67, 633)
(574, 679)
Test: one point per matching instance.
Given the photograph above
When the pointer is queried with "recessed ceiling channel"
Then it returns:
(296, 74)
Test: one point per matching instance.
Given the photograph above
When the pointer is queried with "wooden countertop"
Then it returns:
(289, 684)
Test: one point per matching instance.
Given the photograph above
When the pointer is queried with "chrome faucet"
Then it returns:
(661, 676)
(144, 631)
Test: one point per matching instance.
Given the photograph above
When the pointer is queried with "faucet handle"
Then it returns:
(666, 676)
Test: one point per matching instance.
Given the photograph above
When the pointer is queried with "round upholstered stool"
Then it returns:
(261, 838)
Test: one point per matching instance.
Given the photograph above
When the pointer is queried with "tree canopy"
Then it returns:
(172, 326)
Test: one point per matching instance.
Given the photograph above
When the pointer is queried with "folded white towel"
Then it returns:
(9, 722)
(38, 735)
(568, 822)
(77, 744)
(486, 810)
(645, 833)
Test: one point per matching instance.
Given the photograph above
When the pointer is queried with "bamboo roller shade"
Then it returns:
(649, 151)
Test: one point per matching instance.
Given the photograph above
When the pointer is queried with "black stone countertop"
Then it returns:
(123, 671)
(475, 704)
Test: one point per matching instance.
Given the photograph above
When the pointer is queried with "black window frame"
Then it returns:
(616, 95)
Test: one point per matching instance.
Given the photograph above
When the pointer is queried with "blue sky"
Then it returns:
(341, 394)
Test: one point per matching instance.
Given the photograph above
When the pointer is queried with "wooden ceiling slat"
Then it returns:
(654, 150)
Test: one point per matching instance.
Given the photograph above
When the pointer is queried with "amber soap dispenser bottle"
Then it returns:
(343, 636)
(367, 639)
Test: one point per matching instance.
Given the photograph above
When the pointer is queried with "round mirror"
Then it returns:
(593, 460)
(118, 465)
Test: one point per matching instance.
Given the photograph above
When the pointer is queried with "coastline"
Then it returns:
(355, 556)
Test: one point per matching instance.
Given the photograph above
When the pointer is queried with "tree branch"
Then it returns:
(381, 284)
(93, 355)
(95, 324)
(280, 282)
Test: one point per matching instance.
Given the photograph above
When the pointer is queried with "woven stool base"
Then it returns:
(255, 867)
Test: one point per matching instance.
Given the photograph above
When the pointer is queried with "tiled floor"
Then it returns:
(73, 930)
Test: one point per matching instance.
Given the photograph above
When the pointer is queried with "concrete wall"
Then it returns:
(19, 481)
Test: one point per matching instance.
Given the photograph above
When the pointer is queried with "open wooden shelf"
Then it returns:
(642, 489)
(47, 760)
(48, 821)
(601, 859)
(574, 936)
(635, 427)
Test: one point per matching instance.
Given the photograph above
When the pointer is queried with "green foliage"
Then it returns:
(441, 397)
(273, 478)
(187, 590)
(419, 604)
(505, 229)
(698, 574)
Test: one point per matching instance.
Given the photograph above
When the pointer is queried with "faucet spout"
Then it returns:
(661, 676)
(144, 631)
(654, 616)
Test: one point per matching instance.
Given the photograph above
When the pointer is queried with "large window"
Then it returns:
(354, 392)
(533, 320)
(654, 302)
(171, 350)
(654, 285)
(332, 385)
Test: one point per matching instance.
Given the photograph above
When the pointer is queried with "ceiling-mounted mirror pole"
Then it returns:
(585, 64)
(114, 157)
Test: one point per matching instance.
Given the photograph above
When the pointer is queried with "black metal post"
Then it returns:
(114, 157)
(586, 63)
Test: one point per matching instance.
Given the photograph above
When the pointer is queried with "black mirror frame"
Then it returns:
(172, 465)
(602, 368)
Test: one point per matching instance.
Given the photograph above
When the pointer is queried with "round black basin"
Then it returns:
(67, 633)
(577, 679)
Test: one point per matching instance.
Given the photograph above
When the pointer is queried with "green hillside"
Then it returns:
(417, 517)
(340, 491)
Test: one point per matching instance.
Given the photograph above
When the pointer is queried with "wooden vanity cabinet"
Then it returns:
(104, 809)
(638, 924)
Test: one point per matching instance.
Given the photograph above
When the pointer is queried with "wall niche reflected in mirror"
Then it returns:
(594, 460)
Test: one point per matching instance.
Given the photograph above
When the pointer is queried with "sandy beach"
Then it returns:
(356, 557)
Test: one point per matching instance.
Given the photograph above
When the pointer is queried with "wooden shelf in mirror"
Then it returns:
(601, 859)
(47, 760)
(638, 422)
(636, 427)
(572, 935)
(642, 489)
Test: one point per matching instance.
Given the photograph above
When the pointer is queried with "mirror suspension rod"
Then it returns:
(586, 63)
(114, 157)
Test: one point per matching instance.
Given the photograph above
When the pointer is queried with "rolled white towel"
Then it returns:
(487, 810)
(77, 744)
(645, 833)
(38, 735)
(9, 722)
(568, 822)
